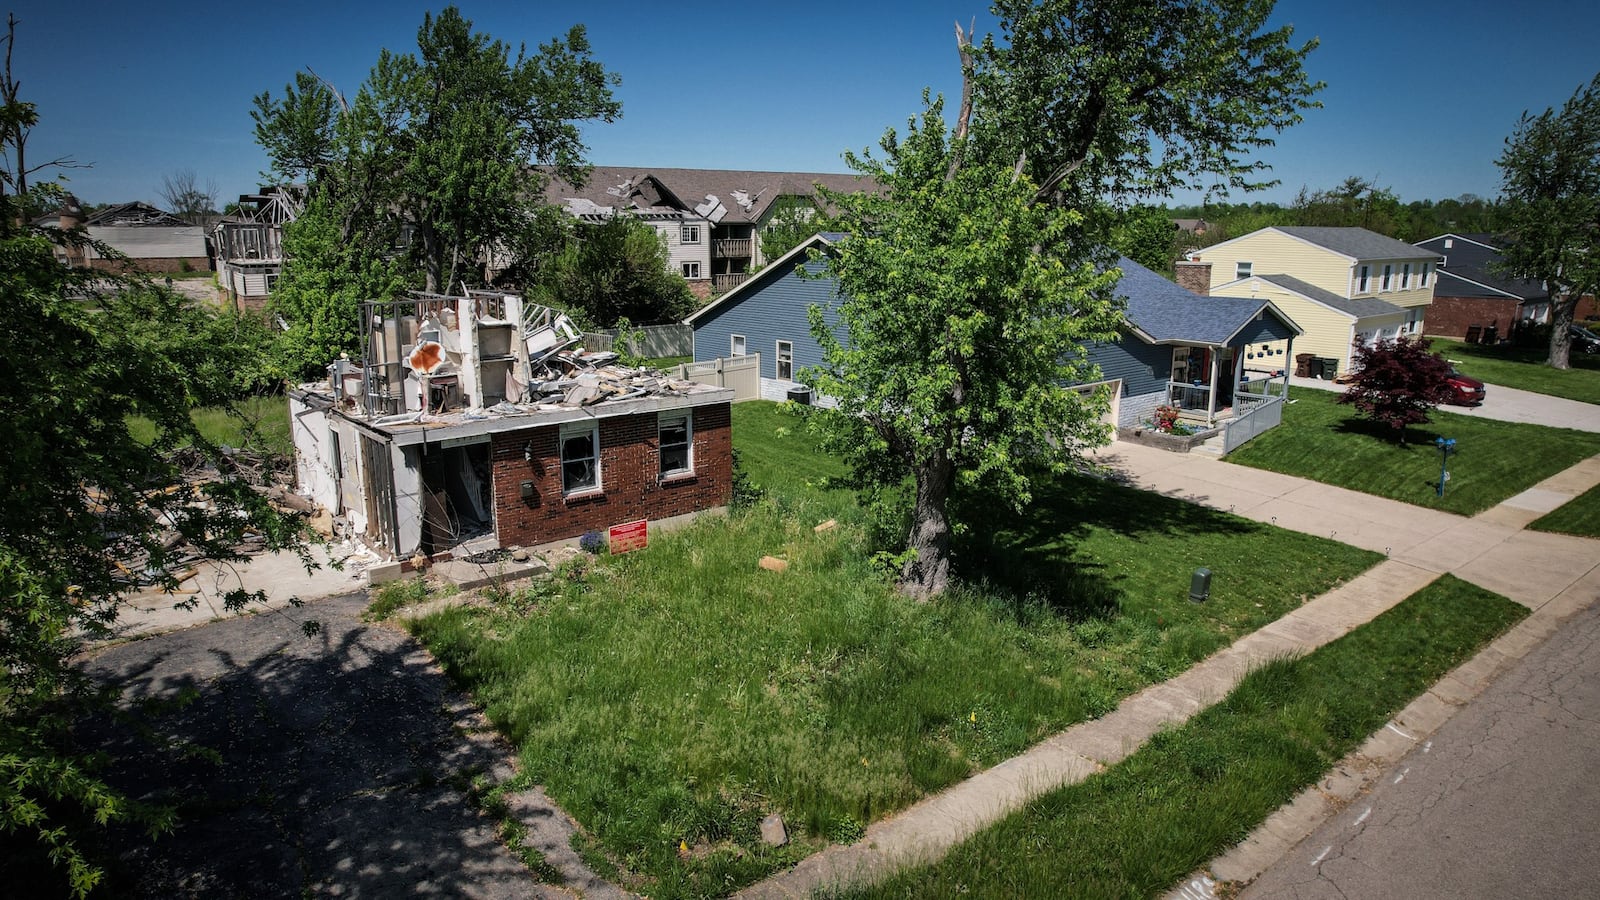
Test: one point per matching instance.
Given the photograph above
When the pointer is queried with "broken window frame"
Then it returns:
(784, 364)
(679, 448)
(574, 465)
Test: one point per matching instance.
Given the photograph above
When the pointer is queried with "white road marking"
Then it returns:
(1401, 733)
(1323, 855)
(1363, 817)
(1402, 776)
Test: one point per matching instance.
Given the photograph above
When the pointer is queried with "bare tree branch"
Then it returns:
(964, 114)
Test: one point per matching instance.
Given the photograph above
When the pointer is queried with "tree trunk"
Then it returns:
(1562, 312)
(432, 258)
(927, 573)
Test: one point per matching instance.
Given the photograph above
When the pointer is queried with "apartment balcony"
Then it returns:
(733, 247)
(720, 283)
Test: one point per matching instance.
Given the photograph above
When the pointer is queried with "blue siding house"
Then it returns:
(1178, 348)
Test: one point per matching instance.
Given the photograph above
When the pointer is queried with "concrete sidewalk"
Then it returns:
(1552, 574)
(1490, 549)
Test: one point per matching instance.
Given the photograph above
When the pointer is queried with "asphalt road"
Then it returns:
(1504, 801)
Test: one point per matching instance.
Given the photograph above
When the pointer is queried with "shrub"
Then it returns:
(1397, 383)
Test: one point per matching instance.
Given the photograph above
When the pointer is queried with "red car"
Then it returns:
(1468, 391)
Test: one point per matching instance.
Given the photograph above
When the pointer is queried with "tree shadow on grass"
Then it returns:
(1033, 557)
(1417, 437)
(334, 763)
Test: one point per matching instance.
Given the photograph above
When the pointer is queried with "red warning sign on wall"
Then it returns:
(629, 536)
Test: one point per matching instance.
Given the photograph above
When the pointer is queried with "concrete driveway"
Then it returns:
(1508, 405)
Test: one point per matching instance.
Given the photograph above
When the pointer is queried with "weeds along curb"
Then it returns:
(1360, 771)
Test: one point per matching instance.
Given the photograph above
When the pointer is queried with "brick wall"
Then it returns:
(1449, 317)
(152, 264)
(629, 463)
(701, 289)
(1195, 276)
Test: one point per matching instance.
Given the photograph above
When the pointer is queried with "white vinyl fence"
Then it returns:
(742, 373)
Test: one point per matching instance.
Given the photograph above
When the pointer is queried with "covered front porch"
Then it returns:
(1214, 383)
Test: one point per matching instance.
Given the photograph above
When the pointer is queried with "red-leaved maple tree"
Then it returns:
(1397, 383)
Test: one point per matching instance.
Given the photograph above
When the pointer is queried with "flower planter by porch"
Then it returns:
(1176, 443)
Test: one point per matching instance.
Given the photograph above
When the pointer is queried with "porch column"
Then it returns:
(1211, 395)
(1288, 354)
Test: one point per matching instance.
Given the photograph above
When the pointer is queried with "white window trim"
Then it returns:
(1427, 269)
(1363, 279)
(1243, 268)
(688, 434)
(691, 268)
(1387, 284)
(685, 230)
(777, 361)
(737, 345)
(571, 429)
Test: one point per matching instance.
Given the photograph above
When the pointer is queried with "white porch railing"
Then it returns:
(1253, 414)
(1190, 398)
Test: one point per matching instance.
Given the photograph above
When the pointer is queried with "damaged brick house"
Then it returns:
(474, 422)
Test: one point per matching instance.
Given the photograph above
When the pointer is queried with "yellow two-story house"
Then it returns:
(1342, 285)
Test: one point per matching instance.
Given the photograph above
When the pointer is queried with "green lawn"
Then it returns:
(1524, 369)
(262, 426)
(1327, 442)
(669, 699)
(1580, 516)
(1190, 793)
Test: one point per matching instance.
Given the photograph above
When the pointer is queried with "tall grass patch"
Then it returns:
(1192, 792)
(671, 698)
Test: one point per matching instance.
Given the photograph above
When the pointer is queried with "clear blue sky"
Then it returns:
(1420, 95)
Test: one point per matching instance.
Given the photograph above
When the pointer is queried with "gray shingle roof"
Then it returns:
(746, 195)
(1361, 308)
(1471, 260)
(1357, 242)
(1170, 313)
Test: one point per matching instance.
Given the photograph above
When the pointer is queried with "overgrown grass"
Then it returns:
(669, 699)
(1579, 516)
(262, 426)
(1334, 444)
(1192, 792)
(1523, 368)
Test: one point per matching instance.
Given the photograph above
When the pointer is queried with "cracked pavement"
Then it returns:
(334, 765)
(1503, 801)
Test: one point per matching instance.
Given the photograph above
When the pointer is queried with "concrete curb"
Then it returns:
(1355, 775)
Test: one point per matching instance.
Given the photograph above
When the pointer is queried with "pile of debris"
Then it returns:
(584, 378)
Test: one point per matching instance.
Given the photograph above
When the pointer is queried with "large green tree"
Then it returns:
(92, 510)
(437, 166)
(960, 335)
(970, 286)
(1550, 206)
(617, 269)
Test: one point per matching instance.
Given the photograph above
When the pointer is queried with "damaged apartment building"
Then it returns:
(478, 422)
